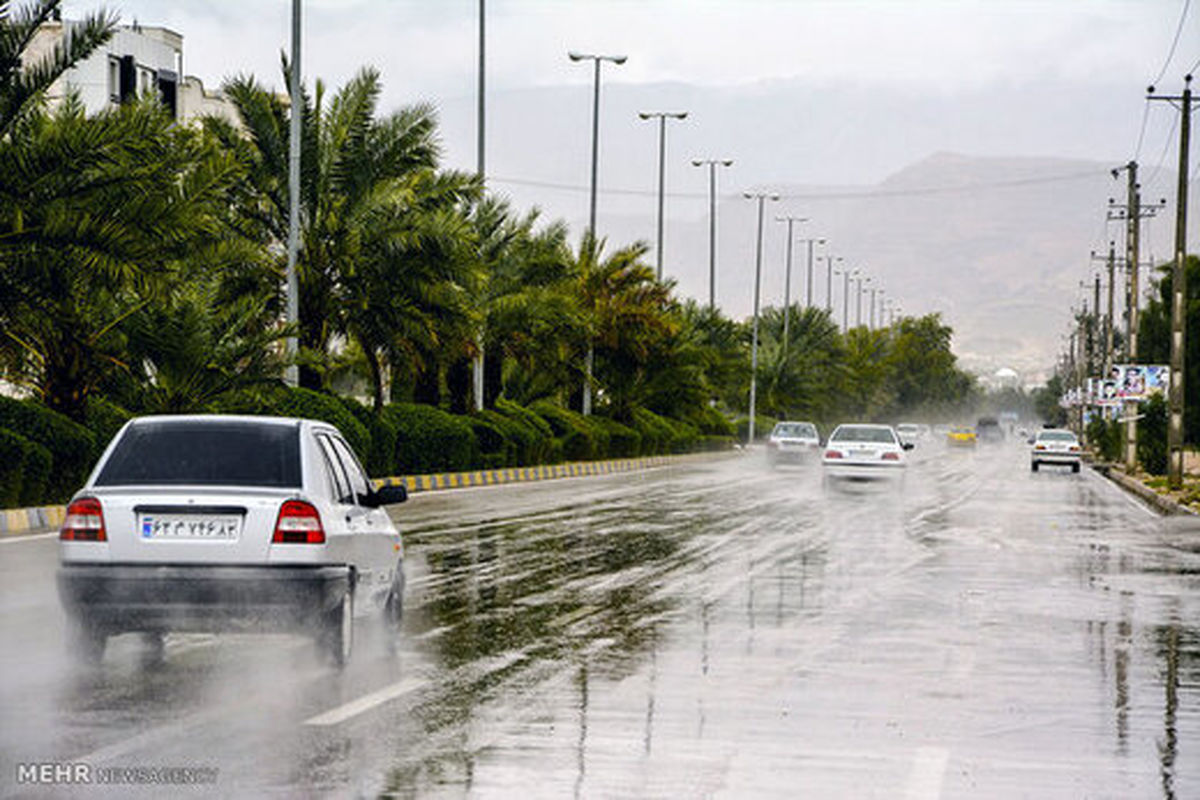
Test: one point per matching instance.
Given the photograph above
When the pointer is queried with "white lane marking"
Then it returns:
(1133, 501)
(14, 539)
(336, 716)
(928, 772)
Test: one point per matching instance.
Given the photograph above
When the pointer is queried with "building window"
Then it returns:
(114, 79)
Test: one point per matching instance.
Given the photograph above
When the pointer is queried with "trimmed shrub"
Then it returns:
(549, 447)
(13, 449)
(669, 435)
(710, 422)
(430, 440)
(656, 434)
(577, 436)
(495, 448)
(623, 441)
(104, 419)
(383, 438)
(72, 447)
(1152, 436)
(281, 401)
(528, 445)
(38, 463)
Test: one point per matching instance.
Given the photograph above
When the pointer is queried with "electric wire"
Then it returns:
(1174, 43)
(1162, 158)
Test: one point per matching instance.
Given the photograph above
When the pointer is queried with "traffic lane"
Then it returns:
(517, 638)
(964, 644)
(211, 684)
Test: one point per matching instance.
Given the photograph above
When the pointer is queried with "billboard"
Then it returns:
(1134, 382)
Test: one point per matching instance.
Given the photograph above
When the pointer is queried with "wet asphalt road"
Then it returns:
(716, 629)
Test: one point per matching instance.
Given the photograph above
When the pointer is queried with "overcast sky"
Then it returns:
(799, 92)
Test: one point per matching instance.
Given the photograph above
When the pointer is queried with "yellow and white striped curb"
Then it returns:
(495, 477)
(22, 520)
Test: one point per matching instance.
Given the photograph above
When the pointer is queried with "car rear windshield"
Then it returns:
(1056, 436)
(795, 429)
(863, 433)
(205, 454)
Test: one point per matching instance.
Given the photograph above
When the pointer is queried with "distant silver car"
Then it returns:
(210, 523)
(913, 433)
(864, 452)
(792, 441)
(1056, 446)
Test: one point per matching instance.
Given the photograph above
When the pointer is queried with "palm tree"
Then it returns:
(22, 84)
(805, 378)
(94, 214)
(364, 179)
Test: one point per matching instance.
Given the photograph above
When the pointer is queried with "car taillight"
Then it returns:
(833, 454)
(1074, 448)
(84, 522)
(299, 522)
(891, 456)
(1040, 447)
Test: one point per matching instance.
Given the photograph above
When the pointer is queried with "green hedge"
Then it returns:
(710, 422)
(762, 426)
(530, 447)
(381, 455)
(281, 401)
(496, 449)
(578, 436)
(38, 463)
(13, 449)
(623, 441)
(104, 419)
(72, 447)
(667, 435)
(547, 445)
(430, 440)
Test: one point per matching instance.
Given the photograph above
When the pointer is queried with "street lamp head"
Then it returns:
(617, 59)
(748, 195)
(644, 115)
(728, 162)
(820, 241)
(679, 115)
(576, 56)
(697, 162)
(774, 196)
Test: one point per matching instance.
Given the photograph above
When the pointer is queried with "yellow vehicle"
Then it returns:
(961, 436)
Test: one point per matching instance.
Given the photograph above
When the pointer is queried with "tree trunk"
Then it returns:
(376, 377)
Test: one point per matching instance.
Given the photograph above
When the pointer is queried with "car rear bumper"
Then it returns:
(1054, 458)
(194, 597)
(864, 472)
(781, 454)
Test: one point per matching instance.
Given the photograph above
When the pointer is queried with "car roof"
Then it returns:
(215, 418)
(1055, 430)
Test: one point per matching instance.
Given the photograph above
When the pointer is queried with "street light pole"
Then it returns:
(871, 318)
(761, 197)
(291, 375)
(712, 222)
(595, 59)
(808, 291)
(858, 300)
(589, 359)
(847, 274)
(829, 259)
(662, 117)
(787, 281)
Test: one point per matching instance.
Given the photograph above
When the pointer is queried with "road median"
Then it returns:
(1165, 503)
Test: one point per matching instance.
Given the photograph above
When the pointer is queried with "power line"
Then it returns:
(1174, 43)
(1162, 158)
(849, 195)
(1137, 151)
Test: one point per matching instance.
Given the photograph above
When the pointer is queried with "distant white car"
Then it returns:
(1055, 446)
(792, 441)
(210, 523)
(913, 433)
(864, 452)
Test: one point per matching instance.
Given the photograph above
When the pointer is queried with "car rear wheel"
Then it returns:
(1075, 467)
(336, 635)
(1033, 466)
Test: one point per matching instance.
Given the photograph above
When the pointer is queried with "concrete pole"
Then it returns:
(1133, 215)
(1178, 299)
(291, 374)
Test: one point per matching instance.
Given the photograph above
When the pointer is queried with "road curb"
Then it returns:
(1163, 505)
(21, 521)
(545, 472)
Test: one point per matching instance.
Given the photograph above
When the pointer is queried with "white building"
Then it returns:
(137, 60)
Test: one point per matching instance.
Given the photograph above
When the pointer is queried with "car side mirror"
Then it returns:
(908, 445)
(1030, 440)
(384, 496)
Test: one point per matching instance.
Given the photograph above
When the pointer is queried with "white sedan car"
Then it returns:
(210, 523)
(792, 441)
(1055, 446)
(864, 452)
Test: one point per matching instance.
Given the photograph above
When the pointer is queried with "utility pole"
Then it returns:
(291, 375)
(712, 222)
(1093, 334)
(809, 282)
(1175, 396)
(787, 281)
(846, 276)
(761, 197)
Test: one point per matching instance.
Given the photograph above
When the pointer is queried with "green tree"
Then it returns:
(1154, 338)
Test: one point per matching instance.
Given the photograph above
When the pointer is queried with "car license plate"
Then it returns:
(189, 526)
(862, 454)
